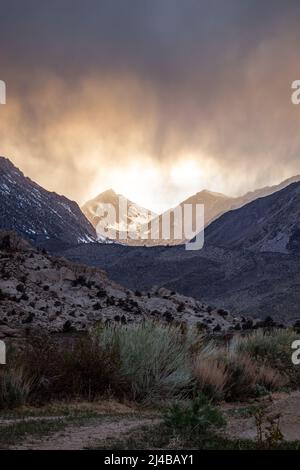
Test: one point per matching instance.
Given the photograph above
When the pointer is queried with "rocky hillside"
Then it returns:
(38, 291)
(43, 217)
(268, 224)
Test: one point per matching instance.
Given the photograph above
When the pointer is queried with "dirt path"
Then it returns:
(81, 437)
(10, 421)
(287, 405)
(97, 431)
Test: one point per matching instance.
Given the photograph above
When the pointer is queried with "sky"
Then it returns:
(157, 99)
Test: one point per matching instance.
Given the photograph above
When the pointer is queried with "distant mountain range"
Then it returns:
(250, 262)
(44, 217)
(147, 226)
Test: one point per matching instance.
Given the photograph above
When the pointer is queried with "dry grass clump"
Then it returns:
(270, 378)
(226, 373)
(272, 348)
(209, 371)
(211, 377)
(247, 378)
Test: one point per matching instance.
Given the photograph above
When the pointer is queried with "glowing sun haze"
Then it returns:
(157, 100)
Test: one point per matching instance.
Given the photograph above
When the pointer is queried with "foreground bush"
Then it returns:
(274, 345)
(193, 418)
(78, 368)
(146, 362)
(154, 358)
(246, 378)
(272, 348)
(15, 387)
(211, 376)
(232, 374)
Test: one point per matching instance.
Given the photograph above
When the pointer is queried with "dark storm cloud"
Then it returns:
(160, 77)
(152, 37)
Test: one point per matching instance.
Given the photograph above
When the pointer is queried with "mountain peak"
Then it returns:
(109, 196)
(135, 216)
(37, 214)
(108, 192)
(207, 192)
(6, 164)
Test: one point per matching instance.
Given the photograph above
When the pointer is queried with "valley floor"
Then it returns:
(111, 425)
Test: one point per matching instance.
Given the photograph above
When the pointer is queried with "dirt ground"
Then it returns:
(109, 422)
(87, 436)
(287, 405)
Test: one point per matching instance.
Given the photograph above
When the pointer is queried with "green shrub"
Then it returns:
(154, 358)
(194, 418)
(274, 345)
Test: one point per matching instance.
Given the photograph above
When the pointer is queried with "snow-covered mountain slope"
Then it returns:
(127, 216)
(45, 218)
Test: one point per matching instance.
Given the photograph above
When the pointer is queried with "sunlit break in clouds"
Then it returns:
(157, 100)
